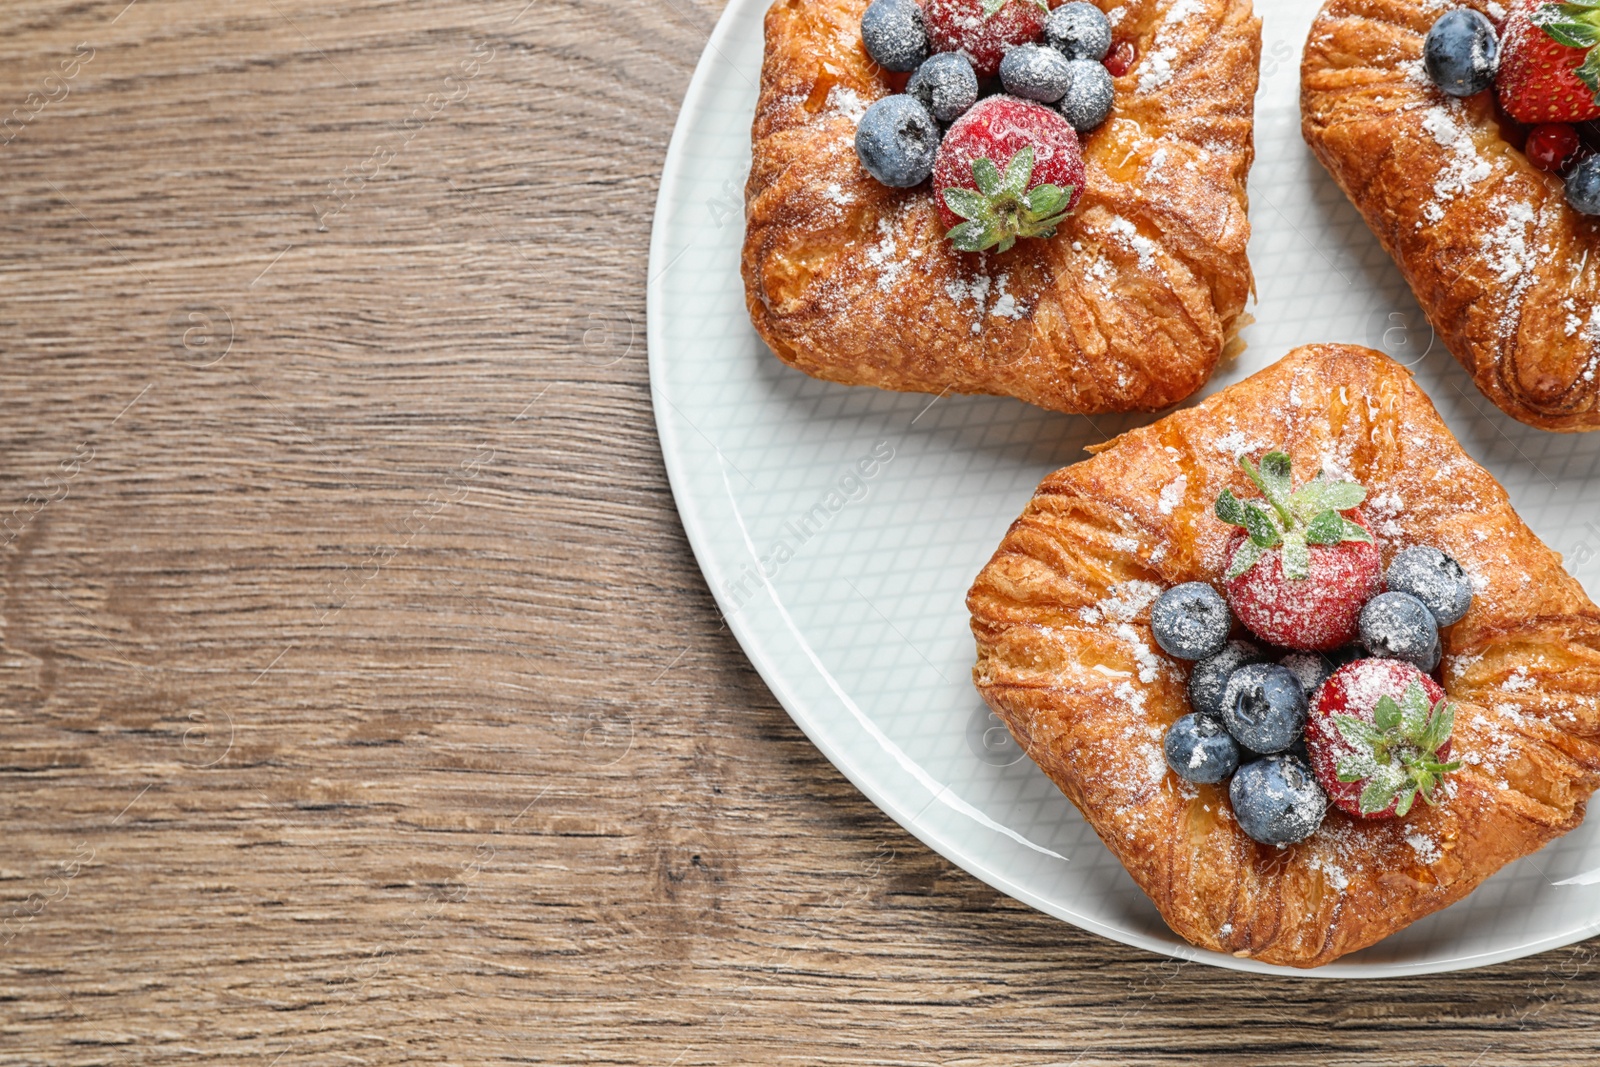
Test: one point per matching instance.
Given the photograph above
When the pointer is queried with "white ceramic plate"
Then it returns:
(874, 511)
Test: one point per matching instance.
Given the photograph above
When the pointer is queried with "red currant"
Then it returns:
(1120, 59)
(1552, 146)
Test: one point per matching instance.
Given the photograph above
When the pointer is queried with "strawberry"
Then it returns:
(1549, 66)
(984, 30)
(1379, 737)
(1305, 564)
(1008, 168)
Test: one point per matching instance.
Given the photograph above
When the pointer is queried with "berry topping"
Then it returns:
(898, 141)
(1461, 53)
(1305, 563)
(946, 85)
(1079, 31)
(1433, 578)
(1209, 679)
(1553, 146)
(1583, 186)
(1311, 669)
(1191, 621)
(1089, 96)
(1264, 707)
(1121, 58)
(984, 30)
(1200, 750)
(1399, 626)
(1549, 68)
(1379, 737)
(1276, 800)
(1035, 72)
(1010, 169)
(895, 34)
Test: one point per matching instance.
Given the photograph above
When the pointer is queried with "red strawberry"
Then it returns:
(984, 30)
(1008, 168)
(1306, 564)
(1549, 67)
(1379, 737)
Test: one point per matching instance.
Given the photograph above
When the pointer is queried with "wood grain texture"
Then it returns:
(360, 699)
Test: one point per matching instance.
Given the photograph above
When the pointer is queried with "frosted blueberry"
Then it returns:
(1264, 707)
(1583, 186)
(1200, 750)
(946, 85)
(1089, 94)
(1310, 668)
(1433, 578)
(1079, 31)
(1277, 800)
(1210, 676)
(1460, 53)
(897, 141)
(895, 34)
(1399, 626)
(1191, 621)
(1035, 72)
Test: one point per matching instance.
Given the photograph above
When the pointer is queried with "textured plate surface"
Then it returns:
(840, 527)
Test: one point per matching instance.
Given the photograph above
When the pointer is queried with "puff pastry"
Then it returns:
(1066, 658)
(1129, 307)
(1498, 261)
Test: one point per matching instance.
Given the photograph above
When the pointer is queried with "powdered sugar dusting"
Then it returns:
(1172, 494)
(1157, 70)
(1465, 167)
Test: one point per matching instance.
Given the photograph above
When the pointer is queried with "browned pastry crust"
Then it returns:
(1066, 658)
(1128, 307)
(1498, 261)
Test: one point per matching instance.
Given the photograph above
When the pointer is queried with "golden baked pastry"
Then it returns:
(1128, 307)
(1499, 262)
(1067, 659)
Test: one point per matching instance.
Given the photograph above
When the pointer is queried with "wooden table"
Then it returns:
(361, 701)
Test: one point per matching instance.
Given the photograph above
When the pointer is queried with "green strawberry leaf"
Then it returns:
(965, 202)
(1228, 508)
(1006, 243)
(1247, 555)
(1320, 495)
(1441, 724)
(1415, 711)
(987, 175)
(1263, 531)
(1354, 531)
(1378, 794)
(1327, 528)
(1589, 72)
(992, 8)
(1358, 733)
(972, 237)
(1387, 716)
(1018, 172)
(1296, 557)
(1571, 34)
(1048, 200)
(1408, 797)
(1276, 478)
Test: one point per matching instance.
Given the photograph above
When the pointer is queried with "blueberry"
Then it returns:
(1191, 621)
(946, 85)
(1210, 676)
(1200, 750)
(1277, 800)
(1035, 72)
(895, 34)
(1583, 186)
(1399, 626)
(1310, 668)
(1090, 93)
(1433, 578)
(1461, 53)
(1079, 31)
(897, 140)
(1264, 707)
